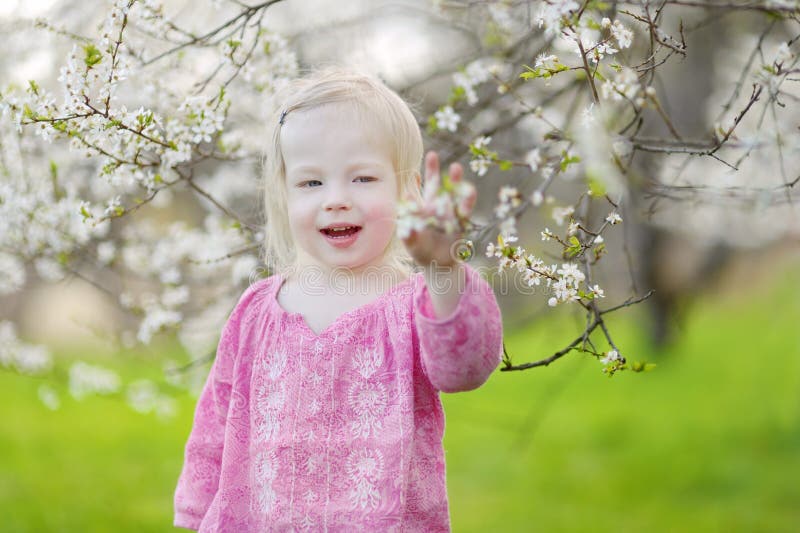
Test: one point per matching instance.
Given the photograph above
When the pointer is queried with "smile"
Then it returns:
(341, 237)
(338, 233)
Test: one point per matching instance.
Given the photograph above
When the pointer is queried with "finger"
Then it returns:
(431, 167)
(456, 172)
(469, 200)
(431, 176)
(431, 163)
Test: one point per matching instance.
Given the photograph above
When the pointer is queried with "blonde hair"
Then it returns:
(371, 100)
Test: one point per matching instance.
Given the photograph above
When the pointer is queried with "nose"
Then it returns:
(336, 198)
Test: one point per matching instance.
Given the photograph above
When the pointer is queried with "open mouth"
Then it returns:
(340, 233)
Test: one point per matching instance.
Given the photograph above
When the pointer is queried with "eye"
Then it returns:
(309, 183)
(366, 178)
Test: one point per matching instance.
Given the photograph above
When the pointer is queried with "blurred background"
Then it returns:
(709, 440)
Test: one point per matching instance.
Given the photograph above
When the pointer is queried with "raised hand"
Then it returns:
(445, 206)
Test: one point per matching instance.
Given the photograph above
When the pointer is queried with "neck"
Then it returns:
(373, 279)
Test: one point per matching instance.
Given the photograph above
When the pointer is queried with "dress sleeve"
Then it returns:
(199, 479)
(460, 351)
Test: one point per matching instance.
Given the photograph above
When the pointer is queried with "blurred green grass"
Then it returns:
(709, 441)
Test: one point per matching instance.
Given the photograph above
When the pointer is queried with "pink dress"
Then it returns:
(340, 431)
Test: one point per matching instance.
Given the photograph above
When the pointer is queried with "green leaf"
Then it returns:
(34, 87)
(641, 366)
(432, 124)
(506, 165)
(567, 160)
(108, 168)
(574, 247)
(596, 187)
(93, 55)
(530, 73)
(457, 94)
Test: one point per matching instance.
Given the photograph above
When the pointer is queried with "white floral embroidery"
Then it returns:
(367, 361)
(309, 436)
(365, 468)
(265, 471)
(274, 363)
(314, 406)
(269, 399)
(368, 402)
(312, 464)
(306, 524)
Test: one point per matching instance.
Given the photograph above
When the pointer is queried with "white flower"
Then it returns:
(480, 165)
(537, 198)
(613, 218)
(605, 23)
(533, 159)
(49, 269)
(242, 268)
(571, 273)
(114, 204)
(552, 14)
(482, 142)
(560, 213)
(597, 291)
(599, 239)
(573, 227)
(552, 302)
(587, 116)
(49, 397)
(509, 195)
(85, 379)
(623, 35)
(546, 61)
(546, 234)
(106, 251)
(611, 355)
(155, 320)
(622, 147)
(12, 274)
(508, 229)
(175, 296)
(447, 119)
(32, 359)
(142, 395)
(602, 50)
(624, 85)
(783, 54)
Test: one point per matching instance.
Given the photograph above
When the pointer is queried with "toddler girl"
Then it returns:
(322, 409)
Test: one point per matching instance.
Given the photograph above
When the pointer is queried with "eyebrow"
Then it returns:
(354, 166)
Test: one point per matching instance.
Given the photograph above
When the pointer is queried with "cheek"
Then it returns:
(384, 213)
(297, 210)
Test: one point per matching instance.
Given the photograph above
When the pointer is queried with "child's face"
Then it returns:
(338, 174)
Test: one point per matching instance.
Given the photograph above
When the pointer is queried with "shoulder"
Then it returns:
(254, 300)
